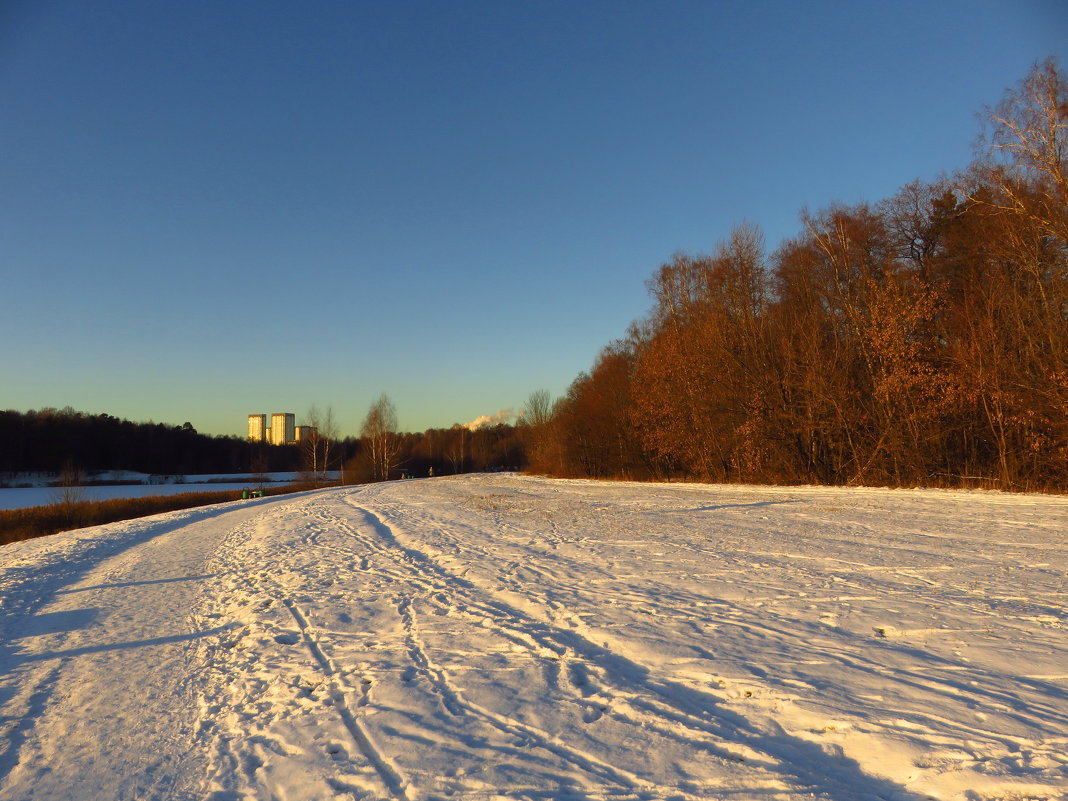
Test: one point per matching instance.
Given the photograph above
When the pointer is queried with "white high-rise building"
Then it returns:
(283, 425)
(257, 428)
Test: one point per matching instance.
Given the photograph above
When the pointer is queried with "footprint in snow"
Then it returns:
(579, 675)
(592, 714)
(287, 638)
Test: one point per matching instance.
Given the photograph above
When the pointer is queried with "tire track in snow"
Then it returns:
(391, 778)
(720, 731)
(244, 721)
(451, 697)
(455, 702)
(543, 642)
(771, 625)
(350, 714)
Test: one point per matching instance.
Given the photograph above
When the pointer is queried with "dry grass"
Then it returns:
(39, 521)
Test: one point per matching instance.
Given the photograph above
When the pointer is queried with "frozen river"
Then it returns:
(42, 496)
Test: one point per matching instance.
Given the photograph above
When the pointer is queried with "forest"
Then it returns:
(55, 440)
(49, 440)
(917, 341)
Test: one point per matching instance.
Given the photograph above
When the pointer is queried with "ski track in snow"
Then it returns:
(509, 637)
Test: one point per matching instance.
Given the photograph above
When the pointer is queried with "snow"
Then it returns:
(511, 637)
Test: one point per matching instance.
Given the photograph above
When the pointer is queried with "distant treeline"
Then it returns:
(49, 440)
(442, 452)
(53, 441)
(919, 341)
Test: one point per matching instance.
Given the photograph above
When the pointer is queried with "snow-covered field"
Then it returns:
(508, 637)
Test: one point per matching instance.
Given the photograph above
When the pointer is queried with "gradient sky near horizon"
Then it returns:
(210, 209)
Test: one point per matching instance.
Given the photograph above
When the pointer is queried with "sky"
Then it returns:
(209, 210)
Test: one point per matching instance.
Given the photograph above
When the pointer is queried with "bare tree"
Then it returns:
(258, 469)
(70, 489)
(536, 424)
(456, 449)
(69, 492)
(538, 409)
(379, 436)
(1026, 152)
(1023, 180)
(317, 443)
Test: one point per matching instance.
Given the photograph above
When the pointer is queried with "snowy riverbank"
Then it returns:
(38, 489)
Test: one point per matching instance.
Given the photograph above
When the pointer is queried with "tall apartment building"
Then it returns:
(283, 425)
(257, 428)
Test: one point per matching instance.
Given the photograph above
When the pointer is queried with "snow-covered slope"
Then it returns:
(507, 637)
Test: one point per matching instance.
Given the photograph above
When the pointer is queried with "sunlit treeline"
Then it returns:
(922, 340)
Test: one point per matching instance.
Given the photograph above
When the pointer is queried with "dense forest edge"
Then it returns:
(919, 341)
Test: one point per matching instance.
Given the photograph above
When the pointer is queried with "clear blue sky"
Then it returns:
(209, 209)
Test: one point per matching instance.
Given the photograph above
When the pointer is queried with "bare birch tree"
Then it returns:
(317, 443)
(1026, 151)
(379, 436)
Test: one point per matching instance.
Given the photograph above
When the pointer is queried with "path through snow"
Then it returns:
(507, 637)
